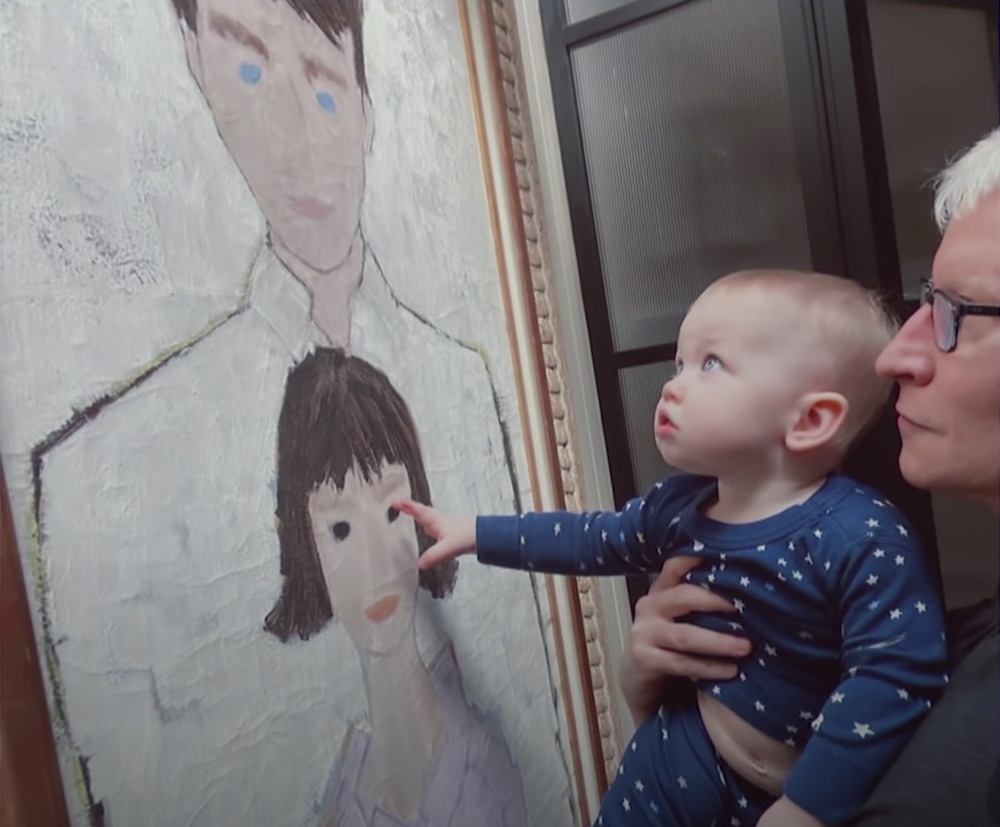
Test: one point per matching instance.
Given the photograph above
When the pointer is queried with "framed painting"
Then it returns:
(276, 265)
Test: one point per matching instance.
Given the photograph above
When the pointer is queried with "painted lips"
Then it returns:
(309, 207)
(382, 609)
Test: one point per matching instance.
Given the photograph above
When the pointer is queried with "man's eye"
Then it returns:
(340, 530)
(391, 514)
(711, 363)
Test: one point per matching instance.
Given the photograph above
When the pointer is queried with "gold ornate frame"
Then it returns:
(516, 210)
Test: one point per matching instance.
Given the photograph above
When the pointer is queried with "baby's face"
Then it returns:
(744, 362)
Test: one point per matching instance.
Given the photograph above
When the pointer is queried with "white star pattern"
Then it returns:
(557, 529)
(920, 607)
(903, 694)
(663, 735)
(809, 559)
(782, 577)
(758, 706)
(697, 545)
(640, 538)
(604, 536)
(735, 626)
(872, 579)
(797, 575)
(682, 782)
(871, 523)
(583, 566)
(817, 723)
(744, 582)
(873, 605)
(639, 786)
(817, 534)
(900, 559)
(739, 605)
(895, 614)
(769, 586)
(761, 548)
(716, 690)
(805, 715)
(782, 561)
(902, 530)
(635, 746)
(771, 650)
(862, 730)
(879, 552)
(743, 803)
(625, 805)
(791, 545)
(791, 728)
(826, 565)
(837, 697)
(761, 661)
(805, 634)
(600, 560)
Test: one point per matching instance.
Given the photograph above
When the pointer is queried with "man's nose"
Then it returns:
(911, 354)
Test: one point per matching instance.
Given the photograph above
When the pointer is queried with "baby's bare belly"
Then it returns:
(759, 758)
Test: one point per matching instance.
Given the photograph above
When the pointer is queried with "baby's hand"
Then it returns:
(455, 535)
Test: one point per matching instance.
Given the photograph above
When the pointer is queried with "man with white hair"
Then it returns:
(946, 361)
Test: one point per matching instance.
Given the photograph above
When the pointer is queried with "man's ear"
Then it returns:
(368, 113)
(819, 418)
(193, 54)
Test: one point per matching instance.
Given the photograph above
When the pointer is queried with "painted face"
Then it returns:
(737, 383)
(368, 554)
(287, 103)
(949, 403)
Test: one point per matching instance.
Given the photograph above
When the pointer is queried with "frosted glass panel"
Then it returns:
(922, 54)
(690, 154)
(640, 387)
(582, 9)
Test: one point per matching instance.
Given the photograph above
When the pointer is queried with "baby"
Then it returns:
(774, 382)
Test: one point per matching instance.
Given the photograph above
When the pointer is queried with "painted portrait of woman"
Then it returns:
(347, 449)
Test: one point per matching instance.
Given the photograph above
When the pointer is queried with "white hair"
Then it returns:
(968, 179)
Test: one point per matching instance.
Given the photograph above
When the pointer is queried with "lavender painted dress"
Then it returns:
(475, 782)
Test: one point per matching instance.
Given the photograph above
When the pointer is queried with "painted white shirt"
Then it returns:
(158, 539)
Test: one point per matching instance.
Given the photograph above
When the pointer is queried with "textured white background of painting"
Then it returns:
(126, 228)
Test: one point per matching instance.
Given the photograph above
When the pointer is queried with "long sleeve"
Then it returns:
(894, 660)
(596, 543)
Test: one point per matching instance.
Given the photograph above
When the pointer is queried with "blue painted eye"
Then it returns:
(326, 101)
(250, 73)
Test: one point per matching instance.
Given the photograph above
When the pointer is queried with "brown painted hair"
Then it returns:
(333, 17)
(339, 413)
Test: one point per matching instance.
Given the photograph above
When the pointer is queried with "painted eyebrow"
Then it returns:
(234, 30)
(316, 69)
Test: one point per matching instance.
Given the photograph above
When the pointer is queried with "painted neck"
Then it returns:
(331, 291)
(407, 729)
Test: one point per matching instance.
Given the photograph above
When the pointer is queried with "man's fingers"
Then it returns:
(673, 571)
(679, 601)
(672, 663)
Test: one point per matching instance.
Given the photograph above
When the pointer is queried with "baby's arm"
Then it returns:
(894, 657)
(596, 543)
(561, 542)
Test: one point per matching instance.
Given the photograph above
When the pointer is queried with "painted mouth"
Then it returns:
(382, 609)
(309, 207)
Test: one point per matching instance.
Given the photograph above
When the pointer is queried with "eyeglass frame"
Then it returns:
(958, 308)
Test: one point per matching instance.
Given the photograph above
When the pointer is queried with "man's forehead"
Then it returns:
(268, 19)
(968, 261)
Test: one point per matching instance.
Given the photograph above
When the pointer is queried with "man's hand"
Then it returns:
(660, 648)
(455, 536)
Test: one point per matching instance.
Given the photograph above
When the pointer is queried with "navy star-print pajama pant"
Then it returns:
(671, 776)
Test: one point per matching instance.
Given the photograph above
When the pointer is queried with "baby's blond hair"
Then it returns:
(846, 325)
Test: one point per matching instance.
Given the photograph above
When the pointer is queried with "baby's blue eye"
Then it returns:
(326, 101)
(250, 73)
(711, 363)
(678, 367)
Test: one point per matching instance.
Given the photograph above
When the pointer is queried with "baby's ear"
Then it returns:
(820, 417)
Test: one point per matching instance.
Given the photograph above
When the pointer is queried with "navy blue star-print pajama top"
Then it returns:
(836, 595)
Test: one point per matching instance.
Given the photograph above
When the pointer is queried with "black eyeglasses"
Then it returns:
(947, 313)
